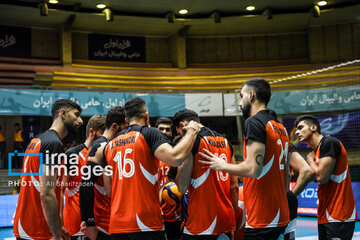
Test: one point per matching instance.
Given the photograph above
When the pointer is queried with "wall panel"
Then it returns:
(45, 43)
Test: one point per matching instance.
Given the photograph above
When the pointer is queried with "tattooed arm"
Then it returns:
(251, 167)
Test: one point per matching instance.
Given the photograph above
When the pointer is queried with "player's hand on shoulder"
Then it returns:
(214, 162)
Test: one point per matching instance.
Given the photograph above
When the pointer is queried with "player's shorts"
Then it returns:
(102, 236)
(263, 233)
(173, 229)
(293, 204)
(223, 236)
(336, 230)
(157, 235)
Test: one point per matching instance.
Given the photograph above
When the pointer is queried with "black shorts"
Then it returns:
(341, 230)
(139, 236)
(263, 233)
(173, 229)
(293, 204)
(102, 236)
(205, 237)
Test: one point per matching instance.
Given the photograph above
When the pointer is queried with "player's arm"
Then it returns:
(251, 167)
(287, 172)
(183, 175)
(49, 203)
(323, 171)
(64, 181)
(234, 188)
(88, 226)
(298, 163)
(175, 156)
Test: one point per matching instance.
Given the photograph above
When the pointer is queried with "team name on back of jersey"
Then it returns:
(123, 141)
(280, 131)
(217, 144)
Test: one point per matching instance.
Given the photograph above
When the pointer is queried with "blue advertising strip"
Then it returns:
(39, 102)
(345, 127)
(316, 100)
(116, 48)
(308, 199)
(7, 209)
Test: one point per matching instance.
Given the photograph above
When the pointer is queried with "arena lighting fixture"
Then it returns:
(44, 10)
(250, 8)
(53, 1)
(315, 10)
(109, 16)
(101, 6)
(183, 11)
(322, 3)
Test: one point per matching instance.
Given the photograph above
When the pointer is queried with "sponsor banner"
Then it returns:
(7, 209)
(206, 104)
(39, 102)
(116, 48)
(15, 41)
(308, 199)
(315, 100)
(345, 127)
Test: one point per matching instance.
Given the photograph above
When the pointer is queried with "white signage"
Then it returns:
(231, 104)
(207, 104)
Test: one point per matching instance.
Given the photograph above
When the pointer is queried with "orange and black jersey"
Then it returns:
(72, 214)
(214, 216)
(29, 220)
(265, 197)
(336, 199)
(135, 203)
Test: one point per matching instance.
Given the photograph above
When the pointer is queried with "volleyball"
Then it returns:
(170, 193)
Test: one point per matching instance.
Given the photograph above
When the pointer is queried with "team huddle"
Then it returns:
(135, 183)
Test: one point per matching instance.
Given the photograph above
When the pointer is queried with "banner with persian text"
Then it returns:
(39, 102)
(15, 41)
(116, 48)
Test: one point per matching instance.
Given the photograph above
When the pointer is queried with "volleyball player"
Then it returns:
(94, 203)
(336, 209)
(266, 167)
(134, 156)
(37, 212)
(71, 182)
(213, 196)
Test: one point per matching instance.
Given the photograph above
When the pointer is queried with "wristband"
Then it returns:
(90, 222)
